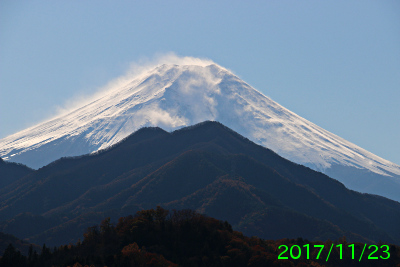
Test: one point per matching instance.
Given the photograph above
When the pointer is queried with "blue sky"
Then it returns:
(335, 63)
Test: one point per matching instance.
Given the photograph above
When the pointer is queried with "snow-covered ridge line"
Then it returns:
(172, 96)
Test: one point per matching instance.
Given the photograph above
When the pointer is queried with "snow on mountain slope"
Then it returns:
(173, 96)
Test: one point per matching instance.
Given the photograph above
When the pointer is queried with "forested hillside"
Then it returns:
(158, 237)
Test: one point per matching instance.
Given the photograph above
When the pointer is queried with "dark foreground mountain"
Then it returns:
(11, 172)
(207, 168)
(186, 238)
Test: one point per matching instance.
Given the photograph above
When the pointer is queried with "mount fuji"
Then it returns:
(173, 96)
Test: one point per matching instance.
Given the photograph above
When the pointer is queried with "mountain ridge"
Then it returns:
(203, 167)
(175, 96)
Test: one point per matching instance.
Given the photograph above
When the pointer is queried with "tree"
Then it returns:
(12, 258)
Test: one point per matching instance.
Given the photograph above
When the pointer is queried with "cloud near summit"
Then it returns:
(136, 70)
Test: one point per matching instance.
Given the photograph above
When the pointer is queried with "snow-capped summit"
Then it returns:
(173, 96)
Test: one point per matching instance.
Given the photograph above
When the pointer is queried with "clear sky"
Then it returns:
(335, 63)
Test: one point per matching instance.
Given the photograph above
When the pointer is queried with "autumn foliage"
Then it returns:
(157, 237)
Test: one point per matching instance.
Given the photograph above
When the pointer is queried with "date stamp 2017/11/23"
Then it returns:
(373, 252)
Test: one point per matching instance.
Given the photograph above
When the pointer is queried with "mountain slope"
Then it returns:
(174, 96)
(11, 172)
(206, 167)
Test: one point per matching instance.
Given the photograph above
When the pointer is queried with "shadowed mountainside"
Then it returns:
(207, 168)
(11, 172)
